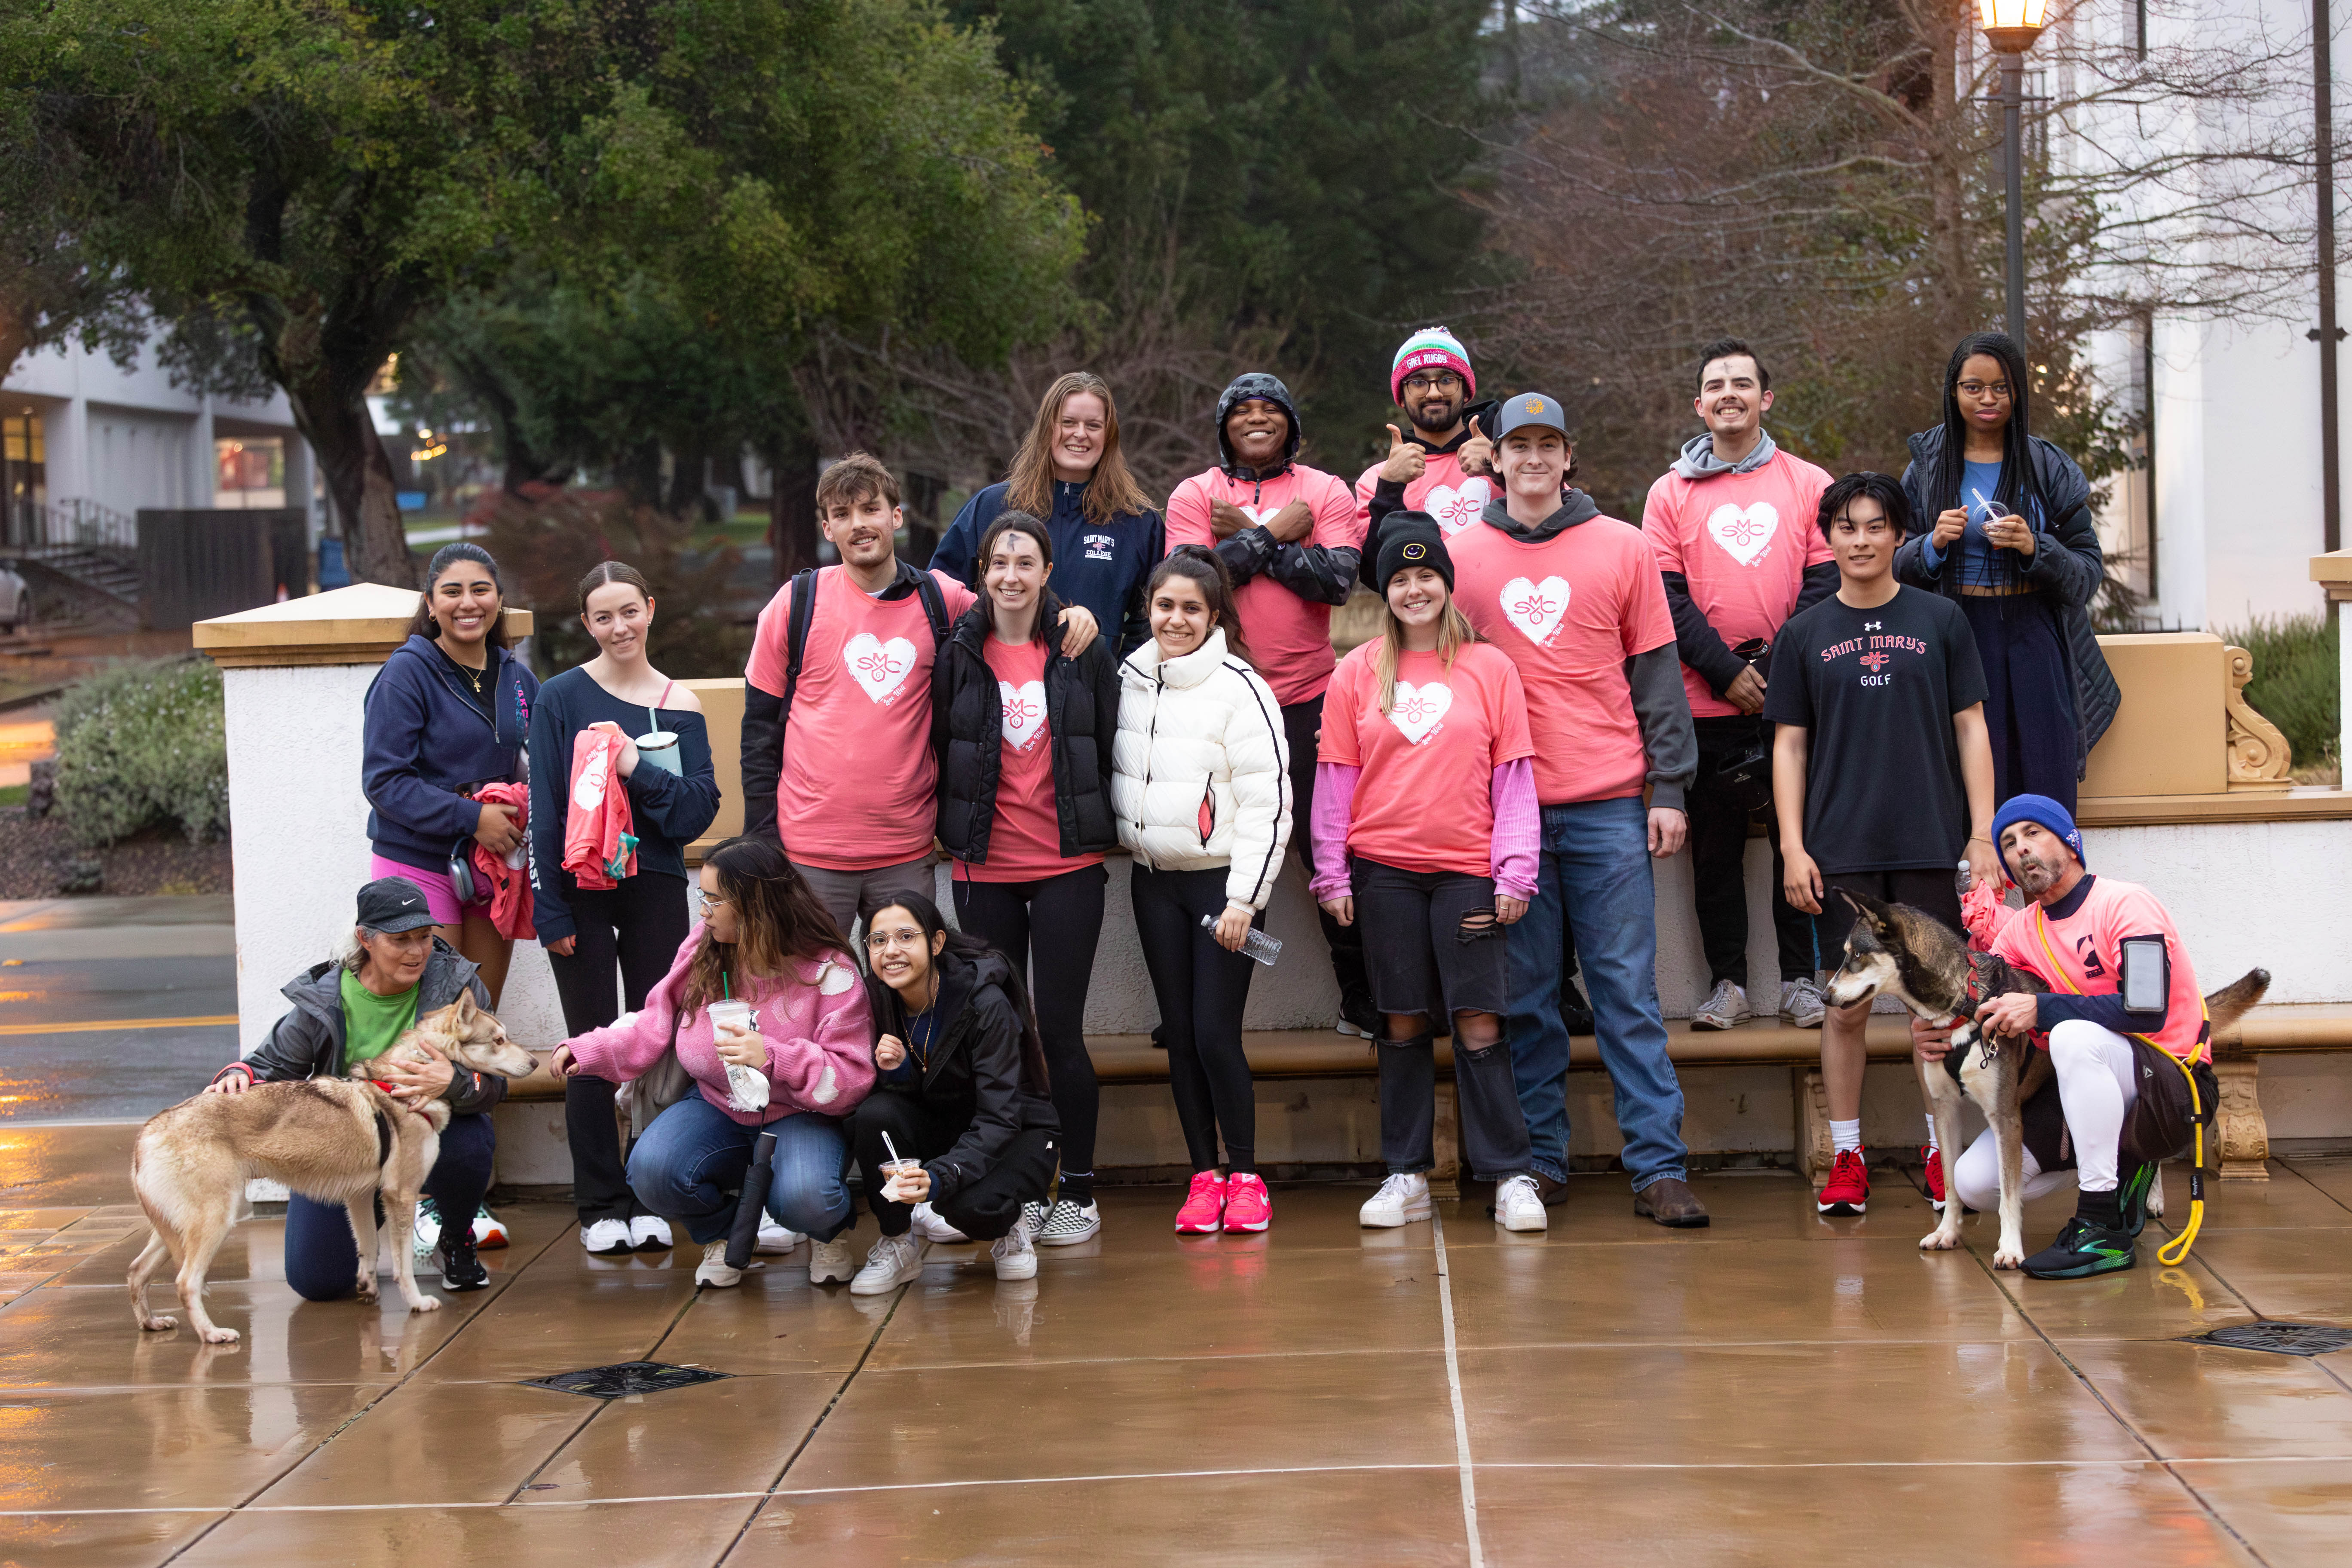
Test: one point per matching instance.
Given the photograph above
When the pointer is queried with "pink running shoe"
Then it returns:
(1204, 1206)
(1247, 1208)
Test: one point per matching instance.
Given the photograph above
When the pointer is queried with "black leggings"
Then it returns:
(1201, 990)
(640, 924)
(1301, 723)
(1064, 914)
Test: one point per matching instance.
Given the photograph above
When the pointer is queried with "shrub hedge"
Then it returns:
(2295, 679)
(143, 745)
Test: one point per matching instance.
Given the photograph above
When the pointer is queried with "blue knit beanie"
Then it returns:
(2038, 808)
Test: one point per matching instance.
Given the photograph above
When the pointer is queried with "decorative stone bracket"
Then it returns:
(2260, 760)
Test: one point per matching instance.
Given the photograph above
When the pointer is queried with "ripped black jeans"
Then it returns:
(1433, 949)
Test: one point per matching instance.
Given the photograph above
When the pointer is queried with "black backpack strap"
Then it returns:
(796, 631)
(935, 606)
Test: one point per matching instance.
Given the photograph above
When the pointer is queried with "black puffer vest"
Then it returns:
(968, 736)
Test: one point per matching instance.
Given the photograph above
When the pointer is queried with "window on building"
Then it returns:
(249, 472)
(24, 477)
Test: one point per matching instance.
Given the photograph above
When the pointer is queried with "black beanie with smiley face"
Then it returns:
(1409, 539)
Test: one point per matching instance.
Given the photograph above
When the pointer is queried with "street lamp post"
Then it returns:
(2011, 26)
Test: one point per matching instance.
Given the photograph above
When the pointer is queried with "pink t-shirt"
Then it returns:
(1290, 637)
(858, 774)
(1569, 612)
(1441, 741)
(1456, 501)
(1024, 840)
(1744, 541)
(2087, 947)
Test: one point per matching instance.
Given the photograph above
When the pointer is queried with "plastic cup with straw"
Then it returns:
(898, 1170)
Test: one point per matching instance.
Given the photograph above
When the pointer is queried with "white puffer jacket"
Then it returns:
(1201, 772)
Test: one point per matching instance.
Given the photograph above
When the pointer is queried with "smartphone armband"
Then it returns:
(2146, 974)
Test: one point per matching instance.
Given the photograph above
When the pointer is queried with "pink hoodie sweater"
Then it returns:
(819, 1030)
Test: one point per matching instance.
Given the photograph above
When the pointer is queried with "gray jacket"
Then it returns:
(309, 1041)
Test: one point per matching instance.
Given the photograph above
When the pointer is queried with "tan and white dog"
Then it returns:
(335, 1140)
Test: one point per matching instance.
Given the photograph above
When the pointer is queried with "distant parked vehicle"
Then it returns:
(15, 602)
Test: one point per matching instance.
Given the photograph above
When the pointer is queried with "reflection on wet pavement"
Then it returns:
(1779, 1388)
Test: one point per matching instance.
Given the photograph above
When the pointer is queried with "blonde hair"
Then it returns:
(1455, 632)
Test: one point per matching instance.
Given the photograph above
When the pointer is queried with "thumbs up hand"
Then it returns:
(1476, 454)
(1406, 461)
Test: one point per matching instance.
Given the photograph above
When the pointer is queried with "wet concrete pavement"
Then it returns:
(112, 1008)
(1778, 1389)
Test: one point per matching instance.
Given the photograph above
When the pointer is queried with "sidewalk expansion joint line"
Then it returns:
(809, 1436)
(1453, 1391)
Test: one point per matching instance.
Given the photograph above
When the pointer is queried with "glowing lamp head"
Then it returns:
(2011, 25)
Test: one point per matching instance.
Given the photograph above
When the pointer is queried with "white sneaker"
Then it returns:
(894, 1260)
(929, 1225)
(1725, 1007)
(426, 1231)
(650, 1233)
(1015, 1258)
(1400, 1201)
(774, 1237)
(1801, 1003)
(831, 1260)
(713, 1271)
(1066, 1224)
(608, 1237)
(1518, 1206)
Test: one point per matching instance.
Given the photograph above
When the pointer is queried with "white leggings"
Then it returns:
(2097, 1081)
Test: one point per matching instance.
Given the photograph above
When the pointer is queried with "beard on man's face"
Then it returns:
(1435, 414)
(2034, 874)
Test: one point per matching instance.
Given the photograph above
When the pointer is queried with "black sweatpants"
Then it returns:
(1201, 990)
(639, 923)
(1718, 841)
(925, 1129)
(1301, 723)
(1048, 929)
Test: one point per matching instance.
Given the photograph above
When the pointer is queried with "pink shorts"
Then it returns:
(440, 896)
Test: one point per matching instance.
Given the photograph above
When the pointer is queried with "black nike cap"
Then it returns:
(391, 904)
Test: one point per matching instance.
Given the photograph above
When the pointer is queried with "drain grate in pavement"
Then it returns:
(625, 1378)
(2279, 1339)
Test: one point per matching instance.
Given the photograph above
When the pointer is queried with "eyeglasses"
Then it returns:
(1996, 390)
(1436, 381)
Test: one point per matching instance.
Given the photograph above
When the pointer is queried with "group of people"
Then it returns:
(1889, 673)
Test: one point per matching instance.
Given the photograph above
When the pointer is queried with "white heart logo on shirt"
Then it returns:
(588, 789)
(1024, 708)
(1457, 509)
(1418, 709)
(1536, 608)
(1256, 514)
(1744, 531)
(879, 667)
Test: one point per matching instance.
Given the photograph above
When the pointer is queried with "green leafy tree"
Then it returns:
(328, 174)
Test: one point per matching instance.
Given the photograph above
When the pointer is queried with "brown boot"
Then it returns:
(1670, 1202)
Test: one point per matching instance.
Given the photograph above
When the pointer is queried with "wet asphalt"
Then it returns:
(104, 1003)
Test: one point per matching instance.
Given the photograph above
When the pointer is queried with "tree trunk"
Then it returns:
(357, 473)
(791, 506)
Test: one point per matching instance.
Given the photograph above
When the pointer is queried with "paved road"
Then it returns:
(110, 1008)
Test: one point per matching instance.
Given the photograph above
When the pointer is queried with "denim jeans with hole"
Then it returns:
(1596, 879)
(690, 1165)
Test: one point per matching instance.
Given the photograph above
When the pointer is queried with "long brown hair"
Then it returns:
(777, 919)
(422, 625)
(1112, 492)
(1198, 565)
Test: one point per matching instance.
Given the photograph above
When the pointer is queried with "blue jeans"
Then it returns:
(1596, 881)
(690, 1165)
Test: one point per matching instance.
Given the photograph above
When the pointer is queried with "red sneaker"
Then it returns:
(1204, 1207)
(1848, 1192)
(1933, 1158)
(1247, 1208)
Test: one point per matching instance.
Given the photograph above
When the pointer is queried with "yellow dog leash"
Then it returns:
(2172, 1252)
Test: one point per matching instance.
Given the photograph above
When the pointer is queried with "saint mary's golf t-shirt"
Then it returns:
(858, 774)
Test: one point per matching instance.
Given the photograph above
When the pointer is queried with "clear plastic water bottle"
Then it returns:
(1257, 944)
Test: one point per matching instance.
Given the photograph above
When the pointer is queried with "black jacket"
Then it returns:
(968, 736)
(979, 1063)
(309, 1041)
(2066, 571)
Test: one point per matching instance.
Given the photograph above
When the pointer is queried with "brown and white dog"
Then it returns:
(1926, 965)
(333, 1140)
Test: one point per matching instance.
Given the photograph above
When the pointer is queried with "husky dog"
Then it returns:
(333, 1140)
(1928, 967)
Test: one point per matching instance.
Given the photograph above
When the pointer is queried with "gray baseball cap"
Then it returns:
(1526, 409)
(391, 904)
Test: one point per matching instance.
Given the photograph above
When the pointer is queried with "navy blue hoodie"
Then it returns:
(1103, 568)
(424, 739)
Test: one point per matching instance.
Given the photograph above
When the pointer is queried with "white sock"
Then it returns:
(1931, 1135)
(1846, 1135)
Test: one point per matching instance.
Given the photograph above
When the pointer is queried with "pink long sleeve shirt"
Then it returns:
(818, 1028)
